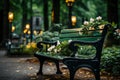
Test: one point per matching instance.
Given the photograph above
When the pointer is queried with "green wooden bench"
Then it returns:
(94, 38)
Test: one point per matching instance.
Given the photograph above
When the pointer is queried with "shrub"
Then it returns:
(47, 36)
(110, 60)
(56, 27)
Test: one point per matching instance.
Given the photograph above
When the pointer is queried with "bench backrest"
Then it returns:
(95, 40)
(78, 35)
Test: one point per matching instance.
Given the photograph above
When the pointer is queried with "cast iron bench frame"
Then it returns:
(73, 63)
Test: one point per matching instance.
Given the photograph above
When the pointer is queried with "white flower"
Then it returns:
(99, 18)
(101, 26)
(59, 50)
(119, 34)
(117, 30)
(58, 42)
(91, 20)
(69, 40)
(91, 28)
(55, 50)
(50, 48)
(86, 23)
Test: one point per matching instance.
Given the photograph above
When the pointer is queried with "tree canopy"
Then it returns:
(82, 9)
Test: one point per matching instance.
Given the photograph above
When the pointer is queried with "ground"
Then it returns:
(25, 68)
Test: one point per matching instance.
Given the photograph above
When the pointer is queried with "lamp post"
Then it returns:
(70, 4)
(10, 18)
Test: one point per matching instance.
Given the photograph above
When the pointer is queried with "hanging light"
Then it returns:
(27, 26)
(74, 20)
(69, 2)
(13, 28)
(25, 31)
(10, 16)
(29, 32)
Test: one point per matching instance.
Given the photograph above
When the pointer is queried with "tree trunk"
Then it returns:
(24, 14)
(45, 10)
(112, 14)
(1, 24)
(5, 21)
(31, 19)
(56, 10)
(112, 11)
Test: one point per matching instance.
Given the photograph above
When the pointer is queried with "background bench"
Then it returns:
(73, 62)
(13, 45)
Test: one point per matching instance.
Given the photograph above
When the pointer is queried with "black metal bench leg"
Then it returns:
(41, 66)
(58, 67)
(97, 74)
(72, 74)
(72, 68)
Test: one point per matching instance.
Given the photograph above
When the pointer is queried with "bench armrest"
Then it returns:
(74, 45)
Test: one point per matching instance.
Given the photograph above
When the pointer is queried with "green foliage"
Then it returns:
(15, 6)
(56, 27)
(62, 49)
(101, 8)
(47, 36)
(28, 49)
(110, 60)
(87, 9)
(86, 50)
(38, 38)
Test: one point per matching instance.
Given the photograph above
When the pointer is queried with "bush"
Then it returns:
(56, 27)
(110, 60)
(28, 49)
(47, 36)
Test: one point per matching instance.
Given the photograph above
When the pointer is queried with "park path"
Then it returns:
(25, 68)
(16, 68)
